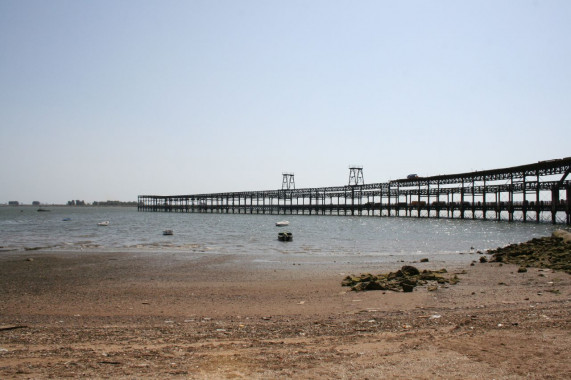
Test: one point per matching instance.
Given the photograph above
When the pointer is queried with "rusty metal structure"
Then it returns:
(538, 192)
(356, 175)
(288, 181)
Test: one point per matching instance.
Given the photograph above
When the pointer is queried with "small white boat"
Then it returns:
(103, 224)
(282, 223)
(167, 232)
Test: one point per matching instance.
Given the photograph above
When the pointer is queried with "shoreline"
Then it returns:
(456, 259)
(128, 315)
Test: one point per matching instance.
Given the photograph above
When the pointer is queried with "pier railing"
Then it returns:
(535, 192)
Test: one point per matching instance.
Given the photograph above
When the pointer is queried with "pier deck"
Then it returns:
(538, 192)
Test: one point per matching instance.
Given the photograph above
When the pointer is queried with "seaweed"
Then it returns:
(405, 280)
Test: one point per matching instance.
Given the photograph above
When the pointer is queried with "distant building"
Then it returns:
(13, 203)
(35, 203)
(76, 203)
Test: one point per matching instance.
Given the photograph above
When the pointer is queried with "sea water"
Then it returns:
(76, 229)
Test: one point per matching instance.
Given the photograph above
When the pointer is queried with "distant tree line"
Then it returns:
(101, 203)
(77, 202)
(115, 203)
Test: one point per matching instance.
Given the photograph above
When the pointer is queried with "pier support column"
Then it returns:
(554, 204)
(537, 205)
(568, 205)
(473, 198)
(484, 206)
(498, 205)
(462, 200)
(524, 205)
(511, 200)
(389, 201)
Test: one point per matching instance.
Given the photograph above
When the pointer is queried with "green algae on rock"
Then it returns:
(552, 252)
(405, 280)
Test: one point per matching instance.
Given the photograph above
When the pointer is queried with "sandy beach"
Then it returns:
(138, 315)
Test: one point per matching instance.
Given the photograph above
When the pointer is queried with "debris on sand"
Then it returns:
(12, 327)
(552, 252)
(405, 279)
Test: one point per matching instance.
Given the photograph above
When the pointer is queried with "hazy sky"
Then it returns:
(111, 99)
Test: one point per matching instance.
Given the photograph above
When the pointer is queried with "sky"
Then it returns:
(108, 100)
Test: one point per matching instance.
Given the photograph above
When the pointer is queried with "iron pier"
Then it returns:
(538, 192)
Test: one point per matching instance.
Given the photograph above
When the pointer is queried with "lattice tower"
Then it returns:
(288, 181)
(356, 175)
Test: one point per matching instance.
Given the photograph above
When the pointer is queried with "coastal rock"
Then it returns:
(453, 280)
(408, 270)
(547, 252)
(405, 280)
(407, 288)
(562, 234)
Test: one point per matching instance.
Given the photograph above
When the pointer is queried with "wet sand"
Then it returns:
(139, 315)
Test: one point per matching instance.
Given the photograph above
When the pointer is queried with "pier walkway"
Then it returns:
(538, 192)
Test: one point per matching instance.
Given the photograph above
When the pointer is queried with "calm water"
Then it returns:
(337, 236)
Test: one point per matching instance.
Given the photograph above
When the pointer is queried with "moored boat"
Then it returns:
(285, 236)
(103, 224)
(282, 223)
(167, 232)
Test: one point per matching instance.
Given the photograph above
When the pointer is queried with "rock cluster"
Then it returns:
(405, 279)
(547, 252)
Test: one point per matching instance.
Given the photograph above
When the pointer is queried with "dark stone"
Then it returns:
(410, 270)
(374, 285)
(407, 288)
